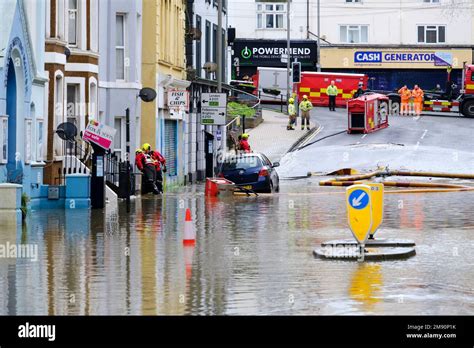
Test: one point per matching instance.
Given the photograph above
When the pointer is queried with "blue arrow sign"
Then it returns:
(358, 199)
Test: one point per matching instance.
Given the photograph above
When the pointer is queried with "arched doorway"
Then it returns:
(15, 109)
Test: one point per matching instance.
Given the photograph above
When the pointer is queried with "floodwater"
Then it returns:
(252, 256)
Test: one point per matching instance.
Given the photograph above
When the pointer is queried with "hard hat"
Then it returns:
(138, 150)
(291, 100)
(146, 147)
(305, 97)
(245, 136)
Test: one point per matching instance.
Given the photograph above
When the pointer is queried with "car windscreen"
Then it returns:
(247, 162)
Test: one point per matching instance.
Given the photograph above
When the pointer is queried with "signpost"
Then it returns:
(359, 213)
(213, 108)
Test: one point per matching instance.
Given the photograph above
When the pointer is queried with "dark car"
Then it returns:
(252, 171)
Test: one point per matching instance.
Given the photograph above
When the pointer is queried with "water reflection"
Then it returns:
(252, 256)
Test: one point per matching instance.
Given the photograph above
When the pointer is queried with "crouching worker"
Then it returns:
(146, 164)
(160, 164)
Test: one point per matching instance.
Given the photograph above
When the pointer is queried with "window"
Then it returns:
(118, 138)
(120, 47)
(3, 139)
(40, 140)
(214, 43)
(72, 22)
(198, 48)
(72, 106)
(431, 34)
(28, 138)
(270, 16)
(354, 34)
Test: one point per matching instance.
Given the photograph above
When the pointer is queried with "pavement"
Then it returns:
(429, 143)
(271, 137)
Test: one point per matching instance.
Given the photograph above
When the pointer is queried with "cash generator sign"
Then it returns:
(381, 57)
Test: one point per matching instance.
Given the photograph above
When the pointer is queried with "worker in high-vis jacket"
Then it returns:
(305, 107)
(332, 93)
(405, 95)
(291, 114)
(418, 95)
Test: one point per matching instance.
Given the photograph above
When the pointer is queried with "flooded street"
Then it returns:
(252, 256)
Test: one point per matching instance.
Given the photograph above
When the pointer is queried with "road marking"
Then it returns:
(426, 131)
(312, 136)
(364, 136)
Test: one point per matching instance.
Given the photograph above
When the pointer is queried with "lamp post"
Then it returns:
(288, 38)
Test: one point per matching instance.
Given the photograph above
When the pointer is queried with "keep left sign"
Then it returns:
(99, 134)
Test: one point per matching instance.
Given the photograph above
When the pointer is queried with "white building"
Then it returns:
(388, 27)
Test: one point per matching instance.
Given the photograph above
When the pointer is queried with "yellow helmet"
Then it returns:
(245, 136)
(146, 147)
(138, 150)
(291, 100)
(305, 97)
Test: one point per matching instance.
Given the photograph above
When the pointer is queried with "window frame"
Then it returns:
(76, 24)
(121, 150)
(359, 29)
(262, 13)
(39, 135)
(28, 140)
(425, 32)
(122, 47)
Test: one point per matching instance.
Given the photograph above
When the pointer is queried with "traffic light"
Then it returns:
(296, 72)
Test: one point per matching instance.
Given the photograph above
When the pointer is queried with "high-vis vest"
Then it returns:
(331, 90)
(292, 109)
(306, 105)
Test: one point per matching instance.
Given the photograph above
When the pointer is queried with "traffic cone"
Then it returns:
(189, 232)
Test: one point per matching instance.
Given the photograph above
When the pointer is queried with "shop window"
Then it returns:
(271, 16)
(3, 139)
(354, 33)
(431, 34)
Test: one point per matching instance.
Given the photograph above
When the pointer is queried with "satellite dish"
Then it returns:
(67, 131)
(147, 94)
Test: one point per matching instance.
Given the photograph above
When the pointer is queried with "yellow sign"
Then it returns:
(359, 211)
(376, 197)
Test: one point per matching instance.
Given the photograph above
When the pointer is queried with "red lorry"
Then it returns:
(314, 84)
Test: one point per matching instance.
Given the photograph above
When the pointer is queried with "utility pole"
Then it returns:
(288, 53)
(219, 46)
(319, 36)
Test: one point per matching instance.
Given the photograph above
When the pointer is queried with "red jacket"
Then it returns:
(244, 145)
(159, 159)
(140, 160)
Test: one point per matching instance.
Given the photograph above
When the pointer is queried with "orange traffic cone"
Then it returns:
(189, 232)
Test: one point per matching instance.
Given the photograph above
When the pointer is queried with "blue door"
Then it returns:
(14, 169)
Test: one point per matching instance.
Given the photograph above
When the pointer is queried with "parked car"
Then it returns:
(252, 171)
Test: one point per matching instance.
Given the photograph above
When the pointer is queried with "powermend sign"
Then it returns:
(371, 57)
(269, 52)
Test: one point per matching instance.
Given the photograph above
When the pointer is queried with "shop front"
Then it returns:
(390, 68)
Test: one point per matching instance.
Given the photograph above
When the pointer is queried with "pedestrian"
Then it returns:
(305, 107)
(360, 91)
(291, 114)
(244, 143)
(418, 95)
(146, 164)
(160, 163)
(332, 93)
(405, 95)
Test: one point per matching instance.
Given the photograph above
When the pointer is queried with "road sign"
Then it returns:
(177, 99)
(99, 134)
(376, 197)
(213, 108)
(359, 211)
